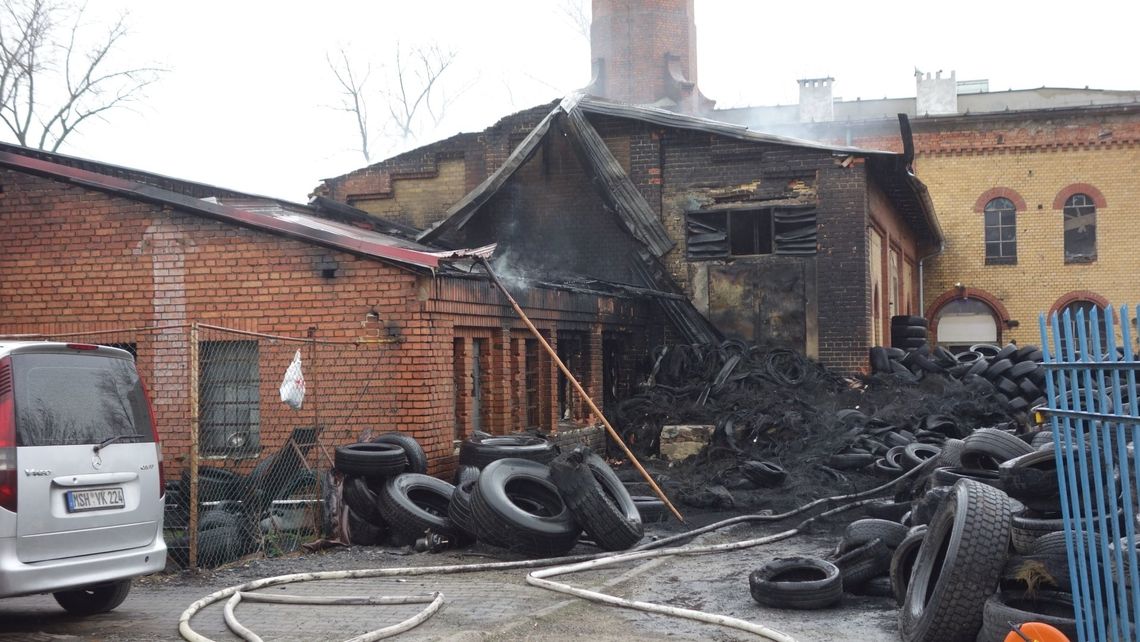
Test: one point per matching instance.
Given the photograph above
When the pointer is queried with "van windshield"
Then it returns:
(74, 399)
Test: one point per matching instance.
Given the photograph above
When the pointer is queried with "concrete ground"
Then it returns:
(478, 606)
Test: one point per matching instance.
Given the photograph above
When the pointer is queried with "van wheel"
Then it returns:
(93, 599)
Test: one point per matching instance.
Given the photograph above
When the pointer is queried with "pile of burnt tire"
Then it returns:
(973, 543)
(1016, 374)
(514, 492)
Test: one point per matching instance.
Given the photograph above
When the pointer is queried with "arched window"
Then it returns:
(1080, 229)
(962, 323)
(1085, 320)
(1001, 232)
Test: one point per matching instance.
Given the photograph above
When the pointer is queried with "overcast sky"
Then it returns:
(248, 99)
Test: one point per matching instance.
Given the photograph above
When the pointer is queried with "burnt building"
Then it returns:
(735, 233)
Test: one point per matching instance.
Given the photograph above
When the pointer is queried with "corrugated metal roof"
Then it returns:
(276, 217)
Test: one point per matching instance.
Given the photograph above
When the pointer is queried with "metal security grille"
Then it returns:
(244, 470)
(1092, 379)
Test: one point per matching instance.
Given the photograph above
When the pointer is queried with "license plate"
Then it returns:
(97, 499)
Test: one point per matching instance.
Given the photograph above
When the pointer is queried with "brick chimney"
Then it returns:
(644, 52)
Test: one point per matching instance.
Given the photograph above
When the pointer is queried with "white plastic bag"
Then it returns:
(293, 385)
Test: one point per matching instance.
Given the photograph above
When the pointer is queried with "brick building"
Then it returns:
(90, 247)
(1034, 189)
(772, 239)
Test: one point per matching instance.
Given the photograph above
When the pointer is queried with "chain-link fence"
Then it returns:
(249, 479)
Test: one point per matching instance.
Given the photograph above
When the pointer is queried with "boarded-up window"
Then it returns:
(750, 232)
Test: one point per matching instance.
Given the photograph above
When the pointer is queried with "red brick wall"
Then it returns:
(74, 260)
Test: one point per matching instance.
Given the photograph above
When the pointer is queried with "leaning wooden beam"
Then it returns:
(577, 386)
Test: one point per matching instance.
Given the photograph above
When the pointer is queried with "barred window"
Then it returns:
(1080, 229)
(229, 400)
(1001, 232)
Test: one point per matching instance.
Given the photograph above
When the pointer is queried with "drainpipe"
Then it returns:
(921, 284)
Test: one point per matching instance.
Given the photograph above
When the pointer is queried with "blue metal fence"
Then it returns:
(1091, 372)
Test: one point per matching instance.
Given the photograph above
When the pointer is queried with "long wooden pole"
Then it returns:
(577, 386)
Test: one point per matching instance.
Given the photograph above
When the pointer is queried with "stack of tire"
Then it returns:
(908, 332)
(540, 509)
(890, 450)
(962, 580)
(946, 556)
(1016, 374)
(387, 495)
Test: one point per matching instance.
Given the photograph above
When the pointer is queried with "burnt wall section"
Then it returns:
(549, 222)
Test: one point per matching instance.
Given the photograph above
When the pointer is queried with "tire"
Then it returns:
(987, 448)
(517, 499)
(1007, 352)
(1022, 369)
(888, 510)
(878, 586)
(412, 504)
(650, 508)
(909, 344)
(987, 350)
(968, 357)
(370, 460)
(215, 484)
(958, 566)
(885, 468)
(907, 320)
(330, 505)
(1032, 480)
(915, 454)
(1019, 607)
(481, 451)
(1029, 390)
(951, 455)
(909, 332)
(880, 362)
(1050, 544)
(363, 533)
(951, 476)
(362, 500)
(944, 357)
(464, 474)
(998, 368)
(597, 499)
(860, 564)
(977, 368)
(417, 459)
(902, 562)
(90, 600)
(1007, 387)
(804, 583)
(862, 531)
(764, 474)
(459, 510)
(1028, 526)
(1025, 353)
(925, 508)
(850, 461)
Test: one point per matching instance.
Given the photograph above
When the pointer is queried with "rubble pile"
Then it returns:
(827, 431)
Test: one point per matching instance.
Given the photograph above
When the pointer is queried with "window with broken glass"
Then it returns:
(750, 232)
(229, 401)
(1001, 232)
(1080, 229)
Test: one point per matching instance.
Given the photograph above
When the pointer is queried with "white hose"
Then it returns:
(433, 601)
(188, 633)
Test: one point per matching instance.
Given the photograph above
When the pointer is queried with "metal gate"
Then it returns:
(1091, 372)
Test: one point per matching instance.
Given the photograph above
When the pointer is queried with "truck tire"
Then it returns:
(958, 566)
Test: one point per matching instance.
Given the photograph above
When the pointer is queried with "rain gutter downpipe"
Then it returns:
(924, 195)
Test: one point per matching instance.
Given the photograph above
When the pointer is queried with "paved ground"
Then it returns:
(479, 606)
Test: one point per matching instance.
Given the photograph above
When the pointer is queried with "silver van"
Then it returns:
(80, 475)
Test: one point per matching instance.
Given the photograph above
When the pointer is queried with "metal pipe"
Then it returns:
(578, 387)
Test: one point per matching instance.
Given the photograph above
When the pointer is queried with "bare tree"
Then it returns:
(51, 79)
(577, 14)
(415, 95)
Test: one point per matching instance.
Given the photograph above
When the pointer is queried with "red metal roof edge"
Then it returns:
(226, 213)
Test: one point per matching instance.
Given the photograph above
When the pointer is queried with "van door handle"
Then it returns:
(94, 479)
